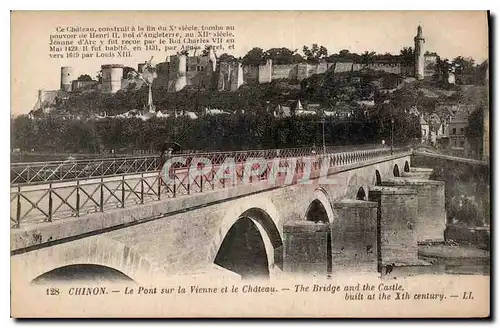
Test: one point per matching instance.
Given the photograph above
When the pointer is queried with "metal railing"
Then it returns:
(64, 199)
(41, 172)
(29, 173)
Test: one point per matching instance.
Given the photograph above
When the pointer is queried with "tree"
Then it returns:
(254, 57)
(344, 53)
(84, 77)
(281, 56)
(474, 130)
(226, 58)
(99, 76)
(126, 71)
(297, 58)
(464, 69)
(206, 51)
(315, 54)
(368, 57)
(407, 55)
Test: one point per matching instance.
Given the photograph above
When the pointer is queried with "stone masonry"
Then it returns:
(431, 218)
(354, 236)
(397, 215)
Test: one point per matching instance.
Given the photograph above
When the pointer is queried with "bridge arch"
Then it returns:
(395, 171)
(99, 255)
(357, 186)
(81, 272)
(320, 210)
(378, 178)
(361, 195)
(256, 225)
(407, 167)
(319, 199)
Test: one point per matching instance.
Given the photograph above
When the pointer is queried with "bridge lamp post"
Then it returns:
(392, 135)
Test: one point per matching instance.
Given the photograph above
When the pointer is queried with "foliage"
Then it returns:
(283, 56)
(226, 58)
(253, 57)
(407, 55)
(315, 53)
(126, 71)
(218, 132)
(474, 129)
(84, 77)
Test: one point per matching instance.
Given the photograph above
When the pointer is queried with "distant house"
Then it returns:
(414, 111)
(299, 110)
(456, 130)
(366, 103)
(214, 111)
(424, 128)
(292, 107)
(302, 112)
(283, 111)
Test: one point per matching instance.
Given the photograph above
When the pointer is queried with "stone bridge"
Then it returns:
(356, 217)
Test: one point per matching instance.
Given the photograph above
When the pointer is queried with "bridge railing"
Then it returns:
(25, 173)
(40, 172)
(58, 200)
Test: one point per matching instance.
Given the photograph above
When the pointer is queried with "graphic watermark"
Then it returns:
(233, 171)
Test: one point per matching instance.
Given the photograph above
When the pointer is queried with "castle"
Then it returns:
(206, 72)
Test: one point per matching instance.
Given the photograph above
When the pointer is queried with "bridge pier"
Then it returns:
(305, 248)
(430, 222)
(397, 213)
(418, 172)
(354, 236)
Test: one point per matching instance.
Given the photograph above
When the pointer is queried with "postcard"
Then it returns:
(218, 164)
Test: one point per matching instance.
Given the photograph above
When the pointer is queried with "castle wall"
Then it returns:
(284, 72)
(162, 76)
(236, 76)
(430, 63)
(342, 67)
(82, 85)
(388, 68)
(111, 78)
(357, 67)
(302, 71)
(266, 72)
(322, 68)
(250, 74)
(224, 76)
(46, 98)
(407, 70)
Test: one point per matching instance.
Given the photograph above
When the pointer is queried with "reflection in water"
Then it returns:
(243, 251)
(81, 272)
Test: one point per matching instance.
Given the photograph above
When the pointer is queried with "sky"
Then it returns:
(449, 33)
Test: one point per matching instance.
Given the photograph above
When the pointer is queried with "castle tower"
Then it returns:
(111, 78)
(419, 54)
(66, 78)
(181, 79)
(213, 59)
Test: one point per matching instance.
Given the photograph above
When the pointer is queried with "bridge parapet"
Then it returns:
(43, 172)
(72, 199)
